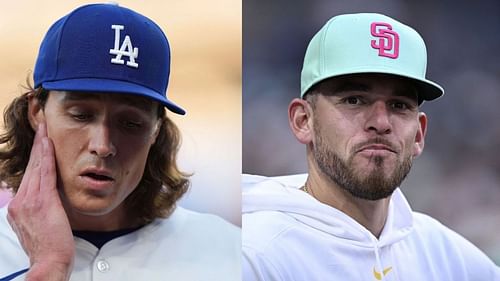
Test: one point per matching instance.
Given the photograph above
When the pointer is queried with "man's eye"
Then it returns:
(81, 116)
(352, 100)
(399, 105)
(131, 124)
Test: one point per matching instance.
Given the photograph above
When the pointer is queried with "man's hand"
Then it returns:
(38, 218)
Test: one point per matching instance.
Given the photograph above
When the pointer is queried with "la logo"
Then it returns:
(125, 49)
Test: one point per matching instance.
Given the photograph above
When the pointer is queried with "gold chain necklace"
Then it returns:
(305, 189)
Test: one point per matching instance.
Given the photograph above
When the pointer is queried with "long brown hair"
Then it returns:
(162, 183)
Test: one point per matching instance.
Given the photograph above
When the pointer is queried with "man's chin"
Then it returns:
(90, 206)
(373, 185)
(93, 211)
(371, 195)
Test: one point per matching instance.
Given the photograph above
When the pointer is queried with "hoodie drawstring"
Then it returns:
(380, 270)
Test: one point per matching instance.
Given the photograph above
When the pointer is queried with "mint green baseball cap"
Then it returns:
(367, 43)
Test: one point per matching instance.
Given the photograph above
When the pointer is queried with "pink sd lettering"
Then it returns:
(388, 40)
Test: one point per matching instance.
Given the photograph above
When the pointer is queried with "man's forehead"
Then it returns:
(118, 98)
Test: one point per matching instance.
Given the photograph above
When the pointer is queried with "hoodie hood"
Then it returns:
(282, 194)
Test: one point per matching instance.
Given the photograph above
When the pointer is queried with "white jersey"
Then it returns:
(185, 246)
(288, 235)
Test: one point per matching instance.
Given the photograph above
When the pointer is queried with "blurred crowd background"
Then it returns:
(205, 79)
(457, 179)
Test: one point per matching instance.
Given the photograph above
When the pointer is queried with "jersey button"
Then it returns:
(103, 266)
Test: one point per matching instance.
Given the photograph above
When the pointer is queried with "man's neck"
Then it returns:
(112, 221)
(371, 214)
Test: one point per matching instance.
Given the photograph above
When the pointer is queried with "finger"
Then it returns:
(33, 189)
(48, 171)
(33, 186)
(36, 149)
(34, 158)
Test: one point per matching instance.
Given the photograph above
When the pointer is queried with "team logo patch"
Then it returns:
(378, 275)
(388, 40)
(126, 49)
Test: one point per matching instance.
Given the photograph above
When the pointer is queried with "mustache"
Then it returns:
(377, 140)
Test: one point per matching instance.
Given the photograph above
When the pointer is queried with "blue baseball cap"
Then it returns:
(106, 48)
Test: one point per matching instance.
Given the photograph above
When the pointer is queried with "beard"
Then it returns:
(374, 186)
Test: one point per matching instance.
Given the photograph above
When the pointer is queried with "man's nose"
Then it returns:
(378, 118)
(101, 143)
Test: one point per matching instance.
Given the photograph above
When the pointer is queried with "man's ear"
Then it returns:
(36, 115)
(418, 145)
(300, 119)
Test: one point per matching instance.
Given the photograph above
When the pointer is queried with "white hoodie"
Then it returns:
(288, 235)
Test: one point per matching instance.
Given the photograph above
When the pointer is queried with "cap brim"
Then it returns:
(112, 86)
(427, 90)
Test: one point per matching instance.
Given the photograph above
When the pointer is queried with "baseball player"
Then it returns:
(362, 83)
(90, 154)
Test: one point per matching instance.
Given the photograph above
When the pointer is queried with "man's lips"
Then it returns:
(376, 147)
(97, 174)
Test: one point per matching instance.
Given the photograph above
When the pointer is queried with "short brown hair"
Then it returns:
(162, 183)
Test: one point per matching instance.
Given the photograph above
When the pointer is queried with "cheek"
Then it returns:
(344, 137)
(133, 156)
(333, 139)
(415, 148)
(133, 171)
(410, 145)
(68, 143)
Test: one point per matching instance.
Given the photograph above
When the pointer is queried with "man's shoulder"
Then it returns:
(432, 232)
(267, 202)
(208, 223)
(425, 222)
(440, 240)
(264, 228)
(429, 226)
(270, 241)
(185, 228)
(186, 245)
